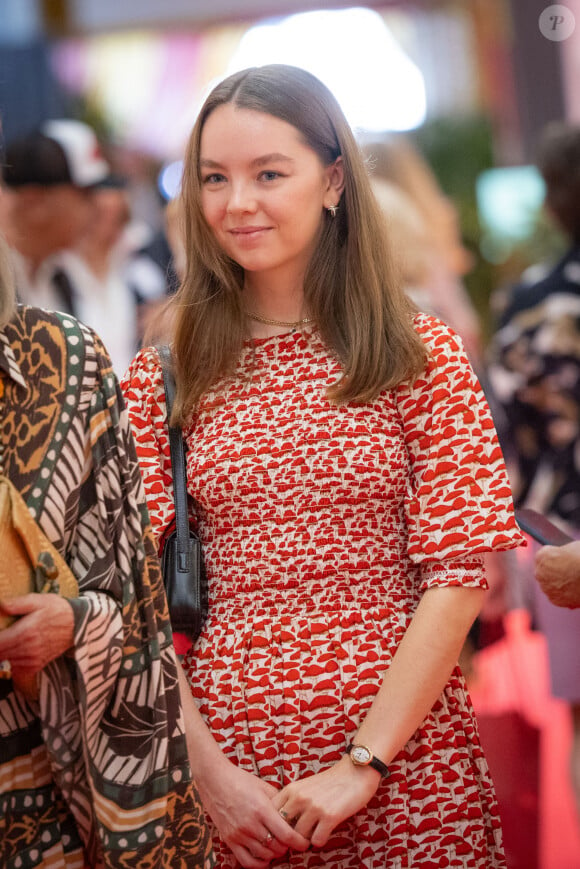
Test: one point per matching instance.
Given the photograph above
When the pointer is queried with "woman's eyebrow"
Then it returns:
(259, 161)
(272, 158)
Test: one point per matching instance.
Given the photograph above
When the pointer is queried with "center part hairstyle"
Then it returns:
(351, 288)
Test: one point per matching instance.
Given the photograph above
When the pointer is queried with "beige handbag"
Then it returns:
(28, 561)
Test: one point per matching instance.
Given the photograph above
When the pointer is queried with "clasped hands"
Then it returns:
(260, 823)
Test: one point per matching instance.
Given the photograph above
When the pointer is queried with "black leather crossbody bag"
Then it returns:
(181, 561)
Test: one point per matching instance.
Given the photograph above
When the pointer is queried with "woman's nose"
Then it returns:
(241, 198)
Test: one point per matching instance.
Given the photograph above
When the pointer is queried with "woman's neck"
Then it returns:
(275, 301)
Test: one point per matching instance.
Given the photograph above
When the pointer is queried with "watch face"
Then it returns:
(360, 754)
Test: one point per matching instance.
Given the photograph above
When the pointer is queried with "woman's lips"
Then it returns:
(246, 230)
(248, 233)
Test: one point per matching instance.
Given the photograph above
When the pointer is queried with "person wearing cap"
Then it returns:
(109, 294)
(63, 234)
(47, 177)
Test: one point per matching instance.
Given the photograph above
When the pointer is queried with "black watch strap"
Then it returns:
(374, 761)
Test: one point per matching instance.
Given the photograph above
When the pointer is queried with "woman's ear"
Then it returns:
(335, 177)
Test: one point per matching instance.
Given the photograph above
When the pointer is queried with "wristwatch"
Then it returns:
(363, 756)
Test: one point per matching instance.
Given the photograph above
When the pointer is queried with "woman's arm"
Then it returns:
(239, 803)
(418, 673)
(421, 667)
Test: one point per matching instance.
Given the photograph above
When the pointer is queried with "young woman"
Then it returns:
(346, 479)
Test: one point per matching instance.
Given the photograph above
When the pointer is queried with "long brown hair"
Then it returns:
(7, 294)
(350, 287)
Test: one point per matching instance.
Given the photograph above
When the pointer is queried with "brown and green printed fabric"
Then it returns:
(96, 773)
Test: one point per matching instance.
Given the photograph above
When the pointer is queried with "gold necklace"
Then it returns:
(281, 323)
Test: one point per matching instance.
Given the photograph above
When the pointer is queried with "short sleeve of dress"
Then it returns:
(144, 395)
(459, 501)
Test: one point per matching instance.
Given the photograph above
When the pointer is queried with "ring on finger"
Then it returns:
(267, 839)
(5, 669)
(289, 820)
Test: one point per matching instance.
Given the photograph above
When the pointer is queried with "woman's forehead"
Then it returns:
(232, 130)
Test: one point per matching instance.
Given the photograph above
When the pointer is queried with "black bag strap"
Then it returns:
(178, 464)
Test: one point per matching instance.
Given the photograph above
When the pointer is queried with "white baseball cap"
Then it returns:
(59, 152)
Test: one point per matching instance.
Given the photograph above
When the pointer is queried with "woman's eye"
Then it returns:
(214, 178)
(270, 175)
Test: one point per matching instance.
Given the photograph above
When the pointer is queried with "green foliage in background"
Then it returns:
(458, 150)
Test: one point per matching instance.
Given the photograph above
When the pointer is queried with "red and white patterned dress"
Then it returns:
(322, 525)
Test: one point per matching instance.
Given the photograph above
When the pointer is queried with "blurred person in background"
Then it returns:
(67, 219)
(116, 288)
(397, 161)
(154, 314)
(345, 477)
(534, 370)
(156, 248)
(49, 177)
(409, 238)
(94, 770)
(105, 298)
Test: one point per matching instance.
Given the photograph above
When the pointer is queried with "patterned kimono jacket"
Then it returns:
(96, 772)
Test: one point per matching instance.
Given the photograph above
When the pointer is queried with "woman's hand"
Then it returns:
(241, 807)
(317, 804)
(558, 572)
(240, 804)
(43, 631)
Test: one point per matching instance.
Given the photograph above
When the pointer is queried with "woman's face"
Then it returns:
(264, 191)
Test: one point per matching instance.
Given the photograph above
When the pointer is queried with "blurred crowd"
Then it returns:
(77, 241)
